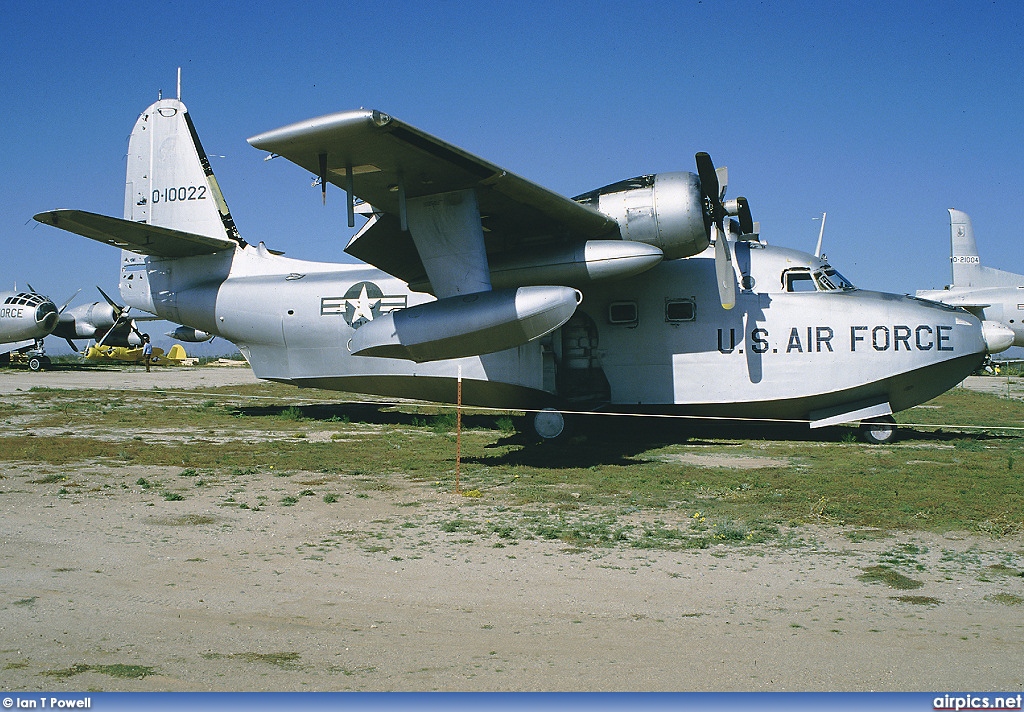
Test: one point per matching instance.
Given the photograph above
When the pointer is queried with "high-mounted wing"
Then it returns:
(397, 169)
(137, 237)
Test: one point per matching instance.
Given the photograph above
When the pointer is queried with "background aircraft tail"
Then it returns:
(967, 268)
(963, 250)
(169, 181)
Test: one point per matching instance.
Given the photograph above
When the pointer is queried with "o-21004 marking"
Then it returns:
(180, 193)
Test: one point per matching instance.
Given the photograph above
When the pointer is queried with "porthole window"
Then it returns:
(623, 313)
(677, 310)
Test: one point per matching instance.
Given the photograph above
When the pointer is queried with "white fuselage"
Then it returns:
(657, 341)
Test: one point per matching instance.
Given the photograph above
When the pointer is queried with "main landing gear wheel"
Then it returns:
(549, 424)
(879, 431)
(38, 363)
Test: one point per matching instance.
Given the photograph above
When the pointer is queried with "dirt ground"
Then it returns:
(115, 588)
(129, 378)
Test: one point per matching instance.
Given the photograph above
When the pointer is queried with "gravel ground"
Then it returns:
(111, 587)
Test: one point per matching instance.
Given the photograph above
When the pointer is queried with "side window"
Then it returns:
(678, 310)
(798, 280)
(623, 313)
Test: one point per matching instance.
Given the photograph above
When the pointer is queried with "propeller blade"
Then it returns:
(61, 310)
(72, 345)
(723, 268)
(117, 321)
(133, 327)
(723, 180)
(111, 302)
(31, 289)
(746, 220)
(708, 177)
(99, 344)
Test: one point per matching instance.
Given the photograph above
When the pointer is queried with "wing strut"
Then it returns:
(323, 176)
(350, 195)
(450, 240)
(403, 208)
(350, 188)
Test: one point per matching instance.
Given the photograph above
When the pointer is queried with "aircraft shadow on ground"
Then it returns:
(594, 440)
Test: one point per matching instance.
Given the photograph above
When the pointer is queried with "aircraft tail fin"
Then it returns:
(964, 251)
(968, 271)
(169, 181)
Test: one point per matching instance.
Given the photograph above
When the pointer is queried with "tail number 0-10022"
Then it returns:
(181, 193)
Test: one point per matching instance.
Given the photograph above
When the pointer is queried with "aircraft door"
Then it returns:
(580, 379)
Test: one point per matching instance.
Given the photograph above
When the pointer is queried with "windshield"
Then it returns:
(829, 280)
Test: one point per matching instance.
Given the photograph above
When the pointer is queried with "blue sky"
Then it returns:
(881, 114)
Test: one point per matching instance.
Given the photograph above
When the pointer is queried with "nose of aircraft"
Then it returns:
(998, 337)
(47, 316)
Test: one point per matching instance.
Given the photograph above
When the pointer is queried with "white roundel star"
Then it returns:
(364, 306)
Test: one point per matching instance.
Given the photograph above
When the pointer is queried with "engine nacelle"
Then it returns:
(665, 210)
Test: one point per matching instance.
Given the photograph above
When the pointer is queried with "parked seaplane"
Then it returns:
(642, 296)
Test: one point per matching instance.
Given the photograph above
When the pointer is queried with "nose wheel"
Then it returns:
(878, 431)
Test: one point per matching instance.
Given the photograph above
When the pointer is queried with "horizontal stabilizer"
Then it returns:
(137, 237)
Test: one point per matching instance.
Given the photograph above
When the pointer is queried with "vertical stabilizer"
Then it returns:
(169, 181)
(964, 252)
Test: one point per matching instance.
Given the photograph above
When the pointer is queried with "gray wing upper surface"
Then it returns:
(386, 157)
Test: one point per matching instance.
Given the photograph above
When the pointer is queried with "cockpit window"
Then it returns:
(798, 280)
(830, 280)
(826, 279)
(25, 298)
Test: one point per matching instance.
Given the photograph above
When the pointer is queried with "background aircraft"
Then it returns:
(25, 319)
(111, 326)
(175, 356)
(990, 294)
(105, 322)
(624, 298)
